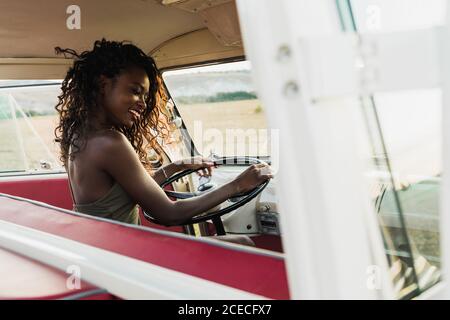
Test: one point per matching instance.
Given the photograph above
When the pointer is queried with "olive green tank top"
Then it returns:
(116, 204)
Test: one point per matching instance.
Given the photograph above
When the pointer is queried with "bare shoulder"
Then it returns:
(108, 139)
(108, 143)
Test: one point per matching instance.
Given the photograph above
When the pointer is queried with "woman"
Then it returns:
(110, 118)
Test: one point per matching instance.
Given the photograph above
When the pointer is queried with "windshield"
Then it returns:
(220, 109)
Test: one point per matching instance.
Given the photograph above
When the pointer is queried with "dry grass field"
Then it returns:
(229, 128)
(213, 118)
(22, 148)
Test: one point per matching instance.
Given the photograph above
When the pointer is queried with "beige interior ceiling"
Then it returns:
(192, 48)
(29, 31)
(220, 16)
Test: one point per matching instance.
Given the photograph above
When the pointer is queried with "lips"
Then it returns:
(136, 113)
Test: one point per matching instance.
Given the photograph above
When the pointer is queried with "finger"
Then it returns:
(209, 171)
(209, 163)
(265, 170)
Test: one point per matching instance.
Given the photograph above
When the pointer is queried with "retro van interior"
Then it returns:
(348, 116)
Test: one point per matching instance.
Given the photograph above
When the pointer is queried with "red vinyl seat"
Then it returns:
(54, 190)
(210, 260)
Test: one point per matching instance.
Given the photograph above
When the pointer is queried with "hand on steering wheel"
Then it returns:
(201, 164)
(253, 176)
(257, 174)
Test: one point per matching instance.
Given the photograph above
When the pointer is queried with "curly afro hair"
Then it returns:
(81, 90)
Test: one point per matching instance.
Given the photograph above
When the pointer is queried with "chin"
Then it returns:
(129, 124)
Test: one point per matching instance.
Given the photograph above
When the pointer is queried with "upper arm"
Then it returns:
(117, 157)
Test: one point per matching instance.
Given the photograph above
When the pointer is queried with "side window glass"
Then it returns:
(404, 130)
(27, 122)
(406, 143)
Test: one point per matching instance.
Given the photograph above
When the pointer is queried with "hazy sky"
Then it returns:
(233, 66)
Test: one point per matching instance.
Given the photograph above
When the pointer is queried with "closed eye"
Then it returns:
(138, 92)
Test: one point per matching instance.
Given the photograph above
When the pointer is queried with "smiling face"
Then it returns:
(124, 97)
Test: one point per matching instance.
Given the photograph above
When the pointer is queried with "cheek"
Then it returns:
(120, 102)
(108, 103)
(128, 100)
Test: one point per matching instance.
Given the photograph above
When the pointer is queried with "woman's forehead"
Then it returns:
(135, 75)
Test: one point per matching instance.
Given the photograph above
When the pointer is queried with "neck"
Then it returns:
(99, 122)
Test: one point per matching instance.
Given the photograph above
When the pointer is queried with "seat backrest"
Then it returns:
(54, 190)
(50, 189)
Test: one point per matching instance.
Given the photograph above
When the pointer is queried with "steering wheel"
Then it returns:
(238, 199)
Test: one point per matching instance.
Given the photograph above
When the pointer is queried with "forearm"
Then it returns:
(188, 208)
(169, 169)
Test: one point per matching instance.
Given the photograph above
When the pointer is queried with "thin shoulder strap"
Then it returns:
(69, 181)
(70, 186)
